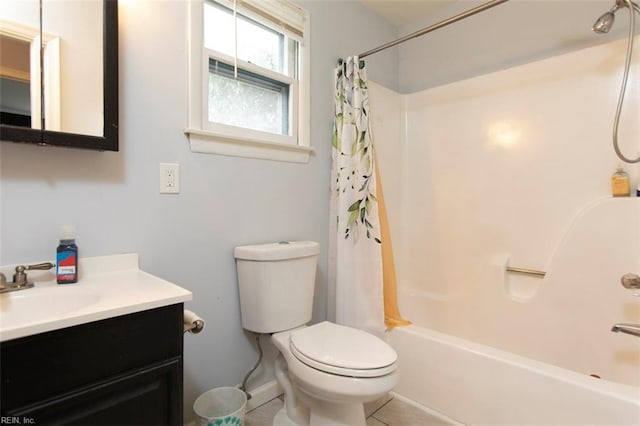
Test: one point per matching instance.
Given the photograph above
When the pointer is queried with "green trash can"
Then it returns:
(221, 407)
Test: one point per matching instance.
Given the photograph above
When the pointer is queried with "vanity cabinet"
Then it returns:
(125, 370)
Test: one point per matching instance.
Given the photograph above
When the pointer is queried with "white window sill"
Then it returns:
(211, 143)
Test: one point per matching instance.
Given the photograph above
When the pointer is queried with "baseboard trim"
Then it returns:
(263, 394)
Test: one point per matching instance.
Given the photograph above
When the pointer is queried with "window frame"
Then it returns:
(216, 138)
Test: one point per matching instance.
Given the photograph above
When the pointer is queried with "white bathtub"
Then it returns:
(479, 385)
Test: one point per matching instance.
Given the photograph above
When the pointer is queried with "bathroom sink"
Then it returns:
(107, 287)
(35, 306)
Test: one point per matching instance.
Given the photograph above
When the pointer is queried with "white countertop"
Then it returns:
(108, 286)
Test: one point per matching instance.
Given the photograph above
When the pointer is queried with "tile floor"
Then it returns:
(384, 412)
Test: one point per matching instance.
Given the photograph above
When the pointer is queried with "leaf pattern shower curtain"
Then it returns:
(361, 264)
(355, 253)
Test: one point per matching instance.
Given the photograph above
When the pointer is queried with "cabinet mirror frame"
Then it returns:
(109, 139)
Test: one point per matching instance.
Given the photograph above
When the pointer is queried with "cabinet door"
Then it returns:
(148, 396)
(40, 367)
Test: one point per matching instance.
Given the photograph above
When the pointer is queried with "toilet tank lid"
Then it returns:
(277, 251)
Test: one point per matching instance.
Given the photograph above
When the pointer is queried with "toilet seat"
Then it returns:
(343, 351)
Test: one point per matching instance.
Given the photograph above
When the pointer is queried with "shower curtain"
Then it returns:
(356, 243)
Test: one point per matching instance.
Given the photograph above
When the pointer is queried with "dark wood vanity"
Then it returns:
(125, 370)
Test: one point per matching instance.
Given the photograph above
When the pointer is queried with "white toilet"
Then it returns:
(327, 370)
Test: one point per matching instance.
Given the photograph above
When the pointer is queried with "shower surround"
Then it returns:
(513, 168)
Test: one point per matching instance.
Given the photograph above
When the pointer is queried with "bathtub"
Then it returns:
(480, 385)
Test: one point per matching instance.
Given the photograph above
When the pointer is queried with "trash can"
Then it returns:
(221, 407)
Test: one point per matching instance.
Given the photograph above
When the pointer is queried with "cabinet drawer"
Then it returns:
(38, 367)
(149, 396)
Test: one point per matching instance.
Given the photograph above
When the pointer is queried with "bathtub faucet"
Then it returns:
(633, 329)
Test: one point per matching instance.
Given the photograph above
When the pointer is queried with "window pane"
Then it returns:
(250, 101)
(256, 43)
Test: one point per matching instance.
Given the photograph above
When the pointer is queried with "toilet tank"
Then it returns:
(276, 283)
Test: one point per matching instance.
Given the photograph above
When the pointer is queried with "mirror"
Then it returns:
(59, 80)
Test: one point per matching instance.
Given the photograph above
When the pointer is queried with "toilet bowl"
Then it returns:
(333, 370)
(327, 370)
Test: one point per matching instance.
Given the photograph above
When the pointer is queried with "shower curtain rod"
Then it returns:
(434, 27)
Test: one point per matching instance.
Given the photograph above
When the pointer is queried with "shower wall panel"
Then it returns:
(514, 167)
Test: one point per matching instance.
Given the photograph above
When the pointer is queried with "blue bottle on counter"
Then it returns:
(67, 258)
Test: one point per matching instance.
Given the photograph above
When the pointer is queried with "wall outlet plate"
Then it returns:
(169, 178)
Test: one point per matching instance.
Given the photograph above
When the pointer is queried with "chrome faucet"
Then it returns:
(632, 282)
(20, 281)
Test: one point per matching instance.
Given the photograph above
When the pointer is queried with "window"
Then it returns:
(248, 100)
(249, 85)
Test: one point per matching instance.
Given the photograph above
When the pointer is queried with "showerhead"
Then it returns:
(603, 25)
(605, 22)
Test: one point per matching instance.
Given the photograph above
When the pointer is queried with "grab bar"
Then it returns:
(525, 271)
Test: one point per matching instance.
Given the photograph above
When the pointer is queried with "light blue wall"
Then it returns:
(112, 198)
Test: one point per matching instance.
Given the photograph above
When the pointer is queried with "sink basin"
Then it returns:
(33, 306)
(108, 287)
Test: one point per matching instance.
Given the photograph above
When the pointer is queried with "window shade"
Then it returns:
(282, 14)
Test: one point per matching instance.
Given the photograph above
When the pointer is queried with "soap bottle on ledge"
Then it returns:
(620, 185)
(67, 257)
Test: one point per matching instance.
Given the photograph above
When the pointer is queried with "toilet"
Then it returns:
(327, 371)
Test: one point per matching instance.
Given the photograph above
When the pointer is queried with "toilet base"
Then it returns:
(323, 413)
(281, 419)
(326, 414)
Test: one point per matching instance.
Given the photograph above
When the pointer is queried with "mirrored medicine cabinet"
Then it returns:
(59, 73)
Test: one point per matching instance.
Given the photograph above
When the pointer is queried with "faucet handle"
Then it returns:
(41, 266)
(20, 277)
(630, 281)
